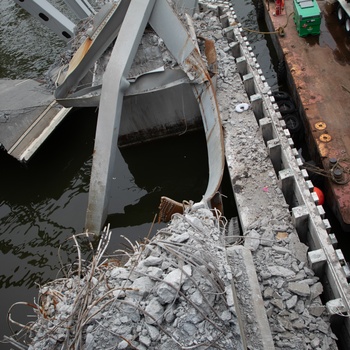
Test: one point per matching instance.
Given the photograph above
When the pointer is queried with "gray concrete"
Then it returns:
(249, 308)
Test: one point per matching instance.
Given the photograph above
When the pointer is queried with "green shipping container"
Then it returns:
(307, 17)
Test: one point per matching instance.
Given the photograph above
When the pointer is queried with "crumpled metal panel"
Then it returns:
(102, 38)
(166, 22)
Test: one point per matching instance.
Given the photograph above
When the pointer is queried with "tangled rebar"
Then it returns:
(91, 299)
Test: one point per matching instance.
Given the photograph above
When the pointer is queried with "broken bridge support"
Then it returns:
(107, 131)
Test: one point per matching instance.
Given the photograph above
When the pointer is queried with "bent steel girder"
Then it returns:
(113, 89)
(50, 17)
(82, 8)
(147, 83)
(93, 47)
(165, 22)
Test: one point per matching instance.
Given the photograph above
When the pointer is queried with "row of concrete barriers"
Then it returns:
(308, 216)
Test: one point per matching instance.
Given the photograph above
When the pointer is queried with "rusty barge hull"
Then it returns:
(318, 79)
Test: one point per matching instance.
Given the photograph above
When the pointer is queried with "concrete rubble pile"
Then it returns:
(186, 288)
(290, 291)
(173, 293)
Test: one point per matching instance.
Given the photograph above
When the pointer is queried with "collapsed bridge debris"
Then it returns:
(186, 288)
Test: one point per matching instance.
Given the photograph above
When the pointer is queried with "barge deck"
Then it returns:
(317, 73)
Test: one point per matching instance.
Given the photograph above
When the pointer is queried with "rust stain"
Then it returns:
(320, 126)
(323, 149)
(210, 52)
(282, 235)
(79, 55)
(325, 138)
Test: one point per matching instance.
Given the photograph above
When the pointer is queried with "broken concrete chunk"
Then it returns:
(316, 290)
(299, 288)
(280, 271)
(152, 261)
(252, 240)
(154, 312)
(173, 281)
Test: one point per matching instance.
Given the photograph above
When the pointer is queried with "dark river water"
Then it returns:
(43, 203)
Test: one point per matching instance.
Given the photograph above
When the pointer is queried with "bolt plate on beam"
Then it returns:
(325, 138)
(320, 125)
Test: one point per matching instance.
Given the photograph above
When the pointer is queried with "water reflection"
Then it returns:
(261, 44)
(333, 35)
(176, 167)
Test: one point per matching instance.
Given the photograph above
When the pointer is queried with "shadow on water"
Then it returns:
(38, 198)
(175, 167)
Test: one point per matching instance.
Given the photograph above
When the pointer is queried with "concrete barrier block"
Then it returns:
(266, 86)
(318, 261)
(286, 184)
(337, 311)
(315, 197)
(241, 63)
(333, 240)
(321, 211)
(249, 84)
(283, 124)
(286, 133)
(327, 225)
(235, 49)
(295, 153)
(305, 175)
(257, 106)
(224, 21)
(290, 140)
(346, 269)
(275, 153)
(300, 218)
(265, 125)
(340, 256)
